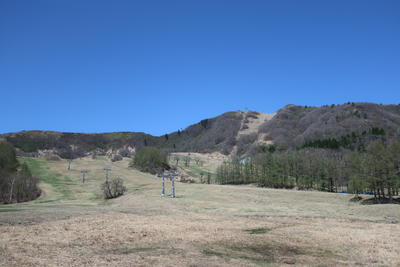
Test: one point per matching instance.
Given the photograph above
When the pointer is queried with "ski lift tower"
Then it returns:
(170, 176)
(83, 175)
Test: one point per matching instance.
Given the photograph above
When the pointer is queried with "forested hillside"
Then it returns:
(293, 126)
(73, 145)
(241, 133)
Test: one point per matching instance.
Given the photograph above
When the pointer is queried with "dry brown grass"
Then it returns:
(206, 225)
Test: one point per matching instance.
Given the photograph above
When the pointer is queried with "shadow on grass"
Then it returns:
(373, 201)
(46, 201)
(259, 230)
(134, 250)
(271, 252)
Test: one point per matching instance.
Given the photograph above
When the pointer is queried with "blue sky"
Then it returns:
(158, 66)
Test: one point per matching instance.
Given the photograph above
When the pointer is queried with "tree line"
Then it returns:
(349, 141)
(375, 171)
(17, 184)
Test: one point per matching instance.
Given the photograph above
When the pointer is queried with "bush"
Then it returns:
(116, 158)
(52, 157)
(150, 159)
(113, 188)
(124, 152)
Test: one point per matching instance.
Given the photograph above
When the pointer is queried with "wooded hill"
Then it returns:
(351, 126)
(17, 184)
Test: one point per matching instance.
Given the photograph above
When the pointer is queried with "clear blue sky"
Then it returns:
(157, 66)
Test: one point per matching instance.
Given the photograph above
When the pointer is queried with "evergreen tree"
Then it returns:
(8, 158)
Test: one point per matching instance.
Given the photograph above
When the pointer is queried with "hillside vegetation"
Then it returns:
(17, 184)
(295, 125)
(151, 160)
(375, 170)
(350, 125)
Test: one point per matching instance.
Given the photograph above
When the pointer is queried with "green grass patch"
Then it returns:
(61, 184)
(10, 210)
(96, 197)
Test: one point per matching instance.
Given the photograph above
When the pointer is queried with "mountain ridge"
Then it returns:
(231, 133)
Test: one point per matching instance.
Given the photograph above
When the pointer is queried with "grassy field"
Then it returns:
(206, 225)
(200, 166)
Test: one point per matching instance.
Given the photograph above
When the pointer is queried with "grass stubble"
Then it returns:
(207, 225)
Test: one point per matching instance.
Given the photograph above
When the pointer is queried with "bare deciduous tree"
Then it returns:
(113, 188)
(176, 159)
(12, 182)
(187, 161)
(69, 164)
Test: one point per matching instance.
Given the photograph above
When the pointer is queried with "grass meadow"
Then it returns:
(205, 225)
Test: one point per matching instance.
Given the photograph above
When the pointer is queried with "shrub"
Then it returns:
(52, 157)
(116, 158)
(150, 159)
(113, 188)
(124, 152)
(204, 123)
